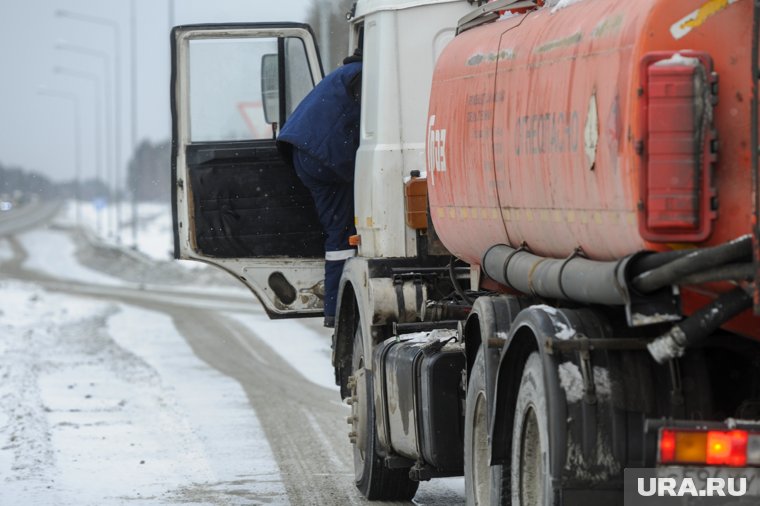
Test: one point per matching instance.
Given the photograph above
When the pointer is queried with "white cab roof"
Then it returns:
(365, 7)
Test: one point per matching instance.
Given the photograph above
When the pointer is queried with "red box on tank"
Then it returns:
(678, 162)
(673, 168)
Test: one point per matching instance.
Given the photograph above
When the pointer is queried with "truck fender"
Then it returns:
(353, 304)
(488, 326)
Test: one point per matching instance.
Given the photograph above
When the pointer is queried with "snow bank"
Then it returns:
(54, 253)
(5, 251)
(154, 230)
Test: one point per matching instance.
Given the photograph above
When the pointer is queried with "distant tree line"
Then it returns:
(20, 184)
(17, 181)
(148, 174)
(149, 171)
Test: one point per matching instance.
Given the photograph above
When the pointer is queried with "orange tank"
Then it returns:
(601, 126)
(535, 128)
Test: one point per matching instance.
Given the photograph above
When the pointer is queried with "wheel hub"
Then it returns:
(358, 402)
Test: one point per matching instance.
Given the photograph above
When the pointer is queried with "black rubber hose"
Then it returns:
(696, 261)
(655, 260)
(699, 325)
(729, 272)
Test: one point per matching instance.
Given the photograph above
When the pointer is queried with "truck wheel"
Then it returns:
(373, 479)
(531, 473)
(483, 484)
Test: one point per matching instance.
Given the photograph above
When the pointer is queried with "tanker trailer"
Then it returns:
(595, 164)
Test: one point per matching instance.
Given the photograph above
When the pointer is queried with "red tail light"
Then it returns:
(711, 447)
(727, 448)
(667, 446)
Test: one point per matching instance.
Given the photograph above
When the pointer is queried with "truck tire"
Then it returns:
(375, 481)
(530, 459)
(484, 485)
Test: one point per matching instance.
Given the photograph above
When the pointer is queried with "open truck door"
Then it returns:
(236, 203)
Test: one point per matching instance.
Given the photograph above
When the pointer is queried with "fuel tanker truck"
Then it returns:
(557, 228)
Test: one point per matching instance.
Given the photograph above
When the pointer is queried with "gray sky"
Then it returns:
(37, 131)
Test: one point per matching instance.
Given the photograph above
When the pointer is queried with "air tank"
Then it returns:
(606, 126)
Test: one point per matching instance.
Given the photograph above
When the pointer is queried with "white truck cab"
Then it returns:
(402, 40)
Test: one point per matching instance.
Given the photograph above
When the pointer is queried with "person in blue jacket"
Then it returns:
(320, 138)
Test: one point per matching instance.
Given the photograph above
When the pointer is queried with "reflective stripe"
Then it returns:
(344, 254)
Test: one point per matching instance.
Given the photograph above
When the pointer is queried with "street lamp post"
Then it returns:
(110, 176)
(71, 97)
(113, 25)
(133, 102)
(95, 79)
(325, 11)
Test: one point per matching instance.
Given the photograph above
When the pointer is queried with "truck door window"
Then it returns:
(298, 78)
(225, 95)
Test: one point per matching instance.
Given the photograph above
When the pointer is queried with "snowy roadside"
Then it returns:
(104, 403)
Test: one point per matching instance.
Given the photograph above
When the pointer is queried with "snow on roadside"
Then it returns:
(154, 230)
(306, 350)
(54, 253)
(5, 250)
(105, 404)
(155, 237)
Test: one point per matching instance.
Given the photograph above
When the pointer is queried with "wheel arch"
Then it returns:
(488, 325)
(343, 338)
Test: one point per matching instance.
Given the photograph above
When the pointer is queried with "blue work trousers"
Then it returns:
(334, 200)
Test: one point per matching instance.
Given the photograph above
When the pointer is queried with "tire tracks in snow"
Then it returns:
(299, 418)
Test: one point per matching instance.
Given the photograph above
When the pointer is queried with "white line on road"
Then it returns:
(245, 344)
(323, 439)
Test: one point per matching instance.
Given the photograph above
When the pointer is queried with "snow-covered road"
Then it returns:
(117, 390)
